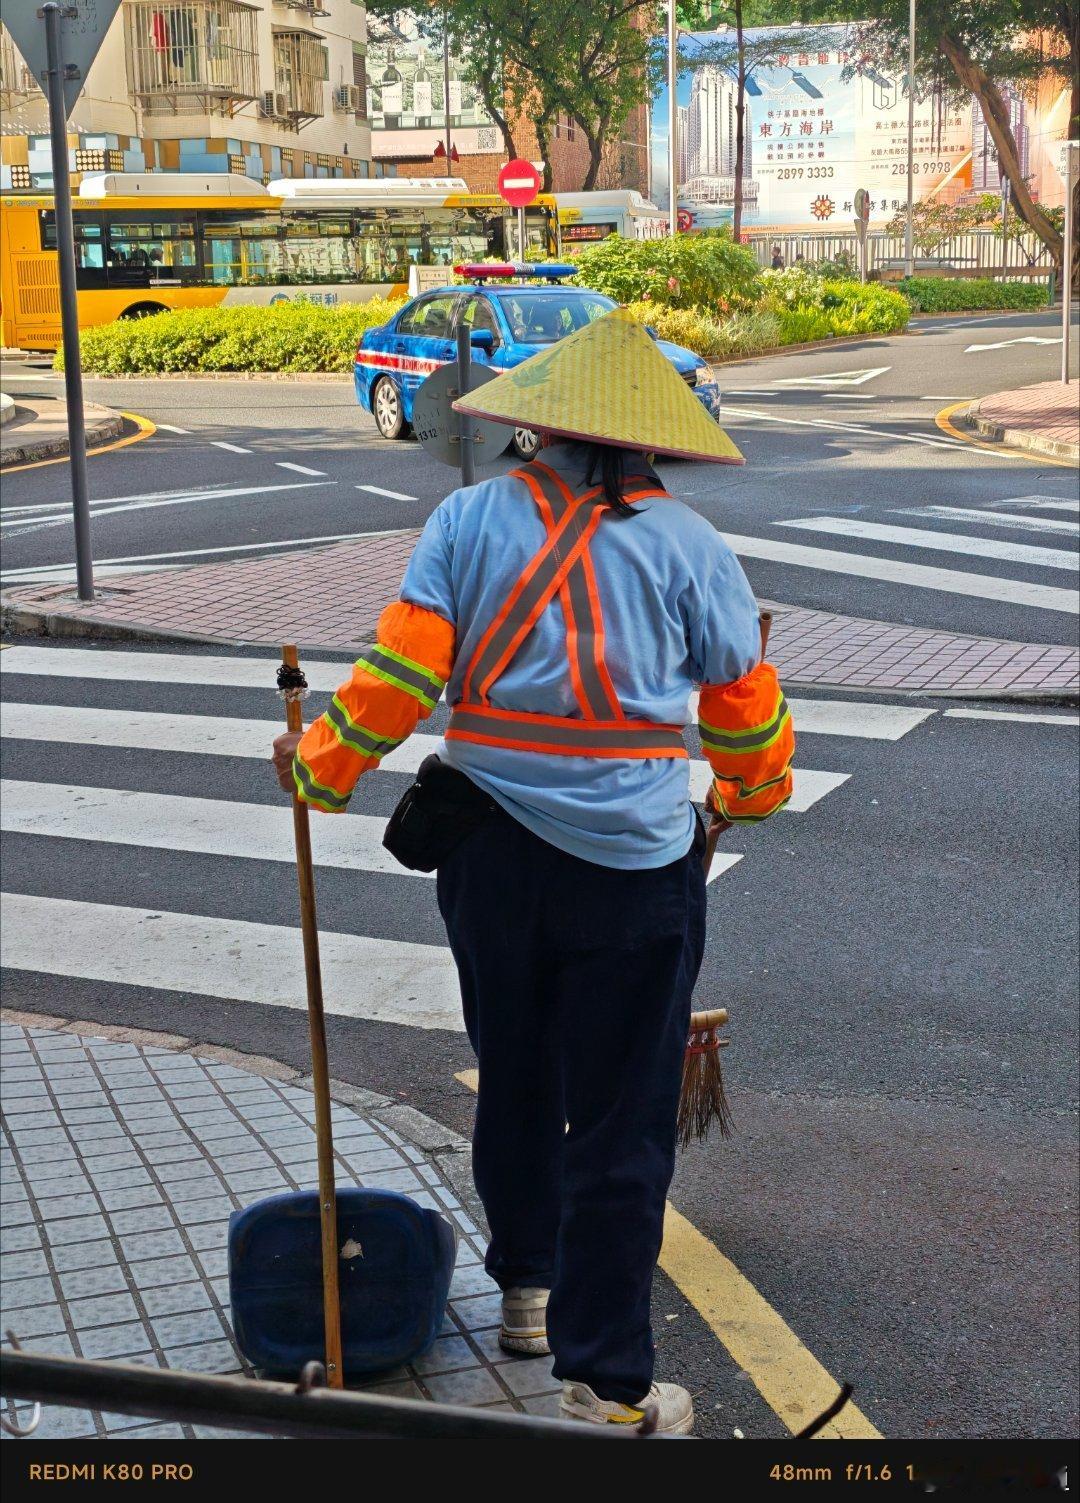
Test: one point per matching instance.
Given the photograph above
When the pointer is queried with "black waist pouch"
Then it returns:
(435, 815)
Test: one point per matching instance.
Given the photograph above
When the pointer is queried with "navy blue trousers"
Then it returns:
(576, 982)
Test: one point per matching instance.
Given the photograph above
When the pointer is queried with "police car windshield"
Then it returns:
(537, 317)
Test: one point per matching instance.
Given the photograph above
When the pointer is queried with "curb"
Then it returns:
(8, 410)
(101, 431)
(28, 620)
(448, 1149)
(1021, 438)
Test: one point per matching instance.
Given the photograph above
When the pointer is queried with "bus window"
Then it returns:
(89, 246)
(242, 252)
(144, 252)
(451, 240)
(320, 248)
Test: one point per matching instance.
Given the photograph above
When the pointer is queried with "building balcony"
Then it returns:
(17, 83)
(199, 57)
(301, 69)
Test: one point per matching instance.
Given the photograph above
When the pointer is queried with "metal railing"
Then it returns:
(200, 57)
(973, 253)
(306, 1410)
(301, 67)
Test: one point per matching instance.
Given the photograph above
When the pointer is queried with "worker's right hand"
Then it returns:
(284, 750)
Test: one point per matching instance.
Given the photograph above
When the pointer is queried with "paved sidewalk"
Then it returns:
(1044, 419)
(123, 1155)
(331, 597)
(39, 430)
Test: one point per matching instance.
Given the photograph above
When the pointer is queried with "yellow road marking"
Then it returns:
(787, 1375)
(146, 428)
(942, 420)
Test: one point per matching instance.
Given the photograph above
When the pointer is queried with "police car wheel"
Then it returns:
(526, 444)
(389, 415)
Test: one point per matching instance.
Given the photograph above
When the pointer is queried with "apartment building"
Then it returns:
(265, 88)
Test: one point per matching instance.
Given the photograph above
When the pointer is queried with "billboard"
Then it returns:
(814, 137)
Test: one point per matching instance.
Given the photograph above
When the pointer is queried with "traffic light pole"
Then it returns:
(69, 313)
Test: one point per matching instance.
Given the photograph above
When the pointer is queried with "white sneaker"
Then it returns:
(676, 1409)
(524, 1322)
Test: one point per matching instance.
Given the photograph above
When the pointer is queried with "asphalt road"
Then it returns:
(898, 958)
(834, 440)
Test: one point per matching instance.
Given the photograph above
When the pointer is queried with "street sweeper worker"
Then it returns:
(568, 610)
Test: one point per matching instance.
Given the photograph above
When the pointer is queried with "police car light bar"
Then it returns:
(548, 271)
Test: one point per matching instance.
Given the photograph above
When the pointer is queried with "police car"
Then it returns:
(509, 321)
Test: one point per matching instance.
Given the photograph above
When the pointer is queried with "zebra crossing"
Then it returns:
(979, 538)
(119, 784)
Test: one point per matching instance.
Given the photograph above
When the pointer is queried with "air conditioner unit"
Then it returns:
(347, 97)
(274, 106)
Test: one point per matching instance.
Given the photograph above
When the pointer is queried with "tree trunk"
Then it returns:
(740, 124)
(996, 114)
(596, 135)
(543, 143)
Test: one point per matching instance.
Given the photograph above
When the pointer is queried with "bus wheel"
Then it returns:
(526, 443)
(143, 310)
(389, 413)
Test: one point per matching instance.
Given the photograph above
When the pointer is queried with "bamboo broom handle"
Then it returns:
(719, 824)
(320, 1069)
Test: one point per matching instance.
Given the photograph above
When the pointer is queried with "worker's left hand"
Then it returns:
(284, 750)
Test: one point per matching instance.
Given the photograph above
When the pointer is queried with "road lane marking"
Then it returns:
(152, 558)
(786, 418)
(1039, 503)
(787, 1375)
(172, 428)
(301, 469)
(210, 827)
(219, 443)
(392, 981)
(992, 519)
(837, 378)
(939, 542)
(896, 571)
(868, 719)
(1035, 719)
(943, 419)
(377, 490)
(226, 736)
(145, 429)
(1003, 344)
(36, 524)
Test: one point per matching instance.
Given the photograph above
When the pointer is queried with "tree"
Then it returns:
(590, 62)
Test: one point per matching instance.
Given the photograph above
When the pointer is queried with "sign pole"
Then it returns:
(673, 121)
(465, 424)
(521, 233)
(909, 228)
(1072, 151)
(69, 313)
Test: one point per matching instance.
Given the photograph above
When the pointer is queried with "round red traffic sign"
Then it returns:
(519, 183)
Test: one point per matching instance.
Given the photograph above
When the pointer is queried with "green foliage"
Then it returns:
(814, 307)
(691, 271)
(933, 223)
(293, 336)
(956, 295)
(844, 265)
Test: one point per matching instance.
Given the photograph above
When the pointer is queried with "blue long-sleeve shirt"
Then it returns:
(677, 610)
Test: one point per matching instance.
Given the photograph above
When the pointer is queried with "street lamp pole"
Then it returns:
(909, 235)
(673, 122)
(446, 84)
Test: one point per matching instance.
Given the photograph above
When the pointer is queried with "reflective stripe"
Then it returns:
(314, 792)
(755, 739)
(357, 737)
(746, 791)
(584, 627)
(563, 735)
(403, 673)
(749, 819)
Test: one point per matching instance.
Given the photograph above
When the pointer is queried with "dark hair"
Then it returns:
(611, 464)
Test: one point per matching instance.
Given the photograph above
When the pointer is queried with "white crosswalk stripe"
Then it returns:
(1038, 523)
(191, 952)
(939, 542)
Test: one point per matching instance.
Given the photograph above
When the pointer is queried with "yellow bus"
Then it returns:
(148, 242)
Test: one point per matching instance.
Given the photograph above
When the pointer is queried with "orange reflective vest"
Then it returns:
(561, 567)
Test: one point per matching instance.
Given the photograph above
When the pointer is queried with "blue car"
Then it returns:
(509, 322)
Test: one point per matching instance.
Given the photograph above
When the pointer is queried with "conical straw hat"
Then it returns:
(606, 382)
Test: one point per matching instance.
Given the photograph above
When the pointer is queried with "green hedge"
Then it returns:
(293, 336)
(692, 271)
(960, 295)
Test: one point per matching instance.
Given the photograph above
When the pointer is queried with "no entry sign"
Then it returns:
(519, 183)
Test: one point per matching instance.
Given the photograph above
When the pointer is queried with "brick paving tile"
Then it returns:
(300, 598)
(152, 1286)
(1047, 411)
